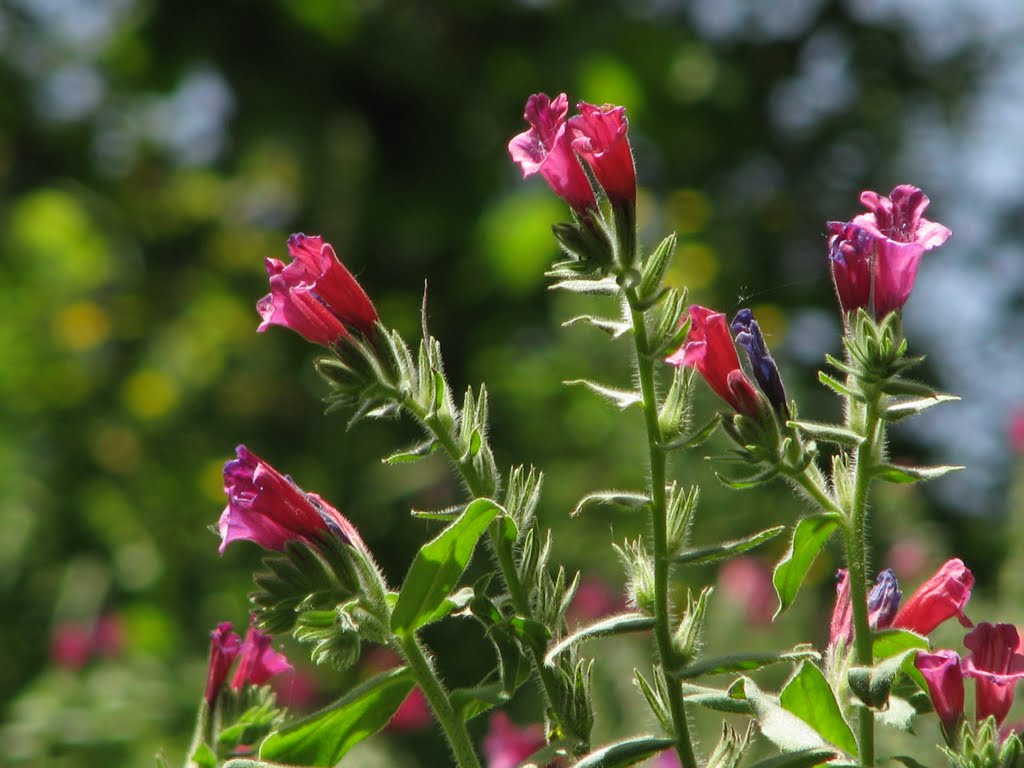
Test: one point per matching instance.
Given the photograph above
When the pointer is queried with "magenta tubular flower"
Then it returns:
(506, 745)
(942, 597)
(315, 295)
(268, 508)
(710, 349)
(944, 675)
(599, 136)
(996, 665)
(841, 626)
(258, 661)
(224, 647)
(546, 149)
(850, 251)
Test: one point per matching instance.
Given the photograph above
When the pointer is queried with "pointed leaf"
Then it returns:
(741, 662)
(624, 499)
(411, 454)
(716, 699)
(837, 386)
(809, 537)
(605, 285)
(784, 729)
(625, 752)
(613, 625)
(438, 565)
(743, 483)
(445, 515)
(614, 328)
(655, 266)
(620, 398)
(894, 474)
(728, 549)
(324, 737)
(907, 387)
(873, 684)
(698, 437)
(898, 411)
(808, 696)
(805, 758)
(890, 642)
(828, 433)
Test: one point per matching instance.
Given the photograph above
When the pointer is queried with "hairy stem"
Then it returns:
(662, 628)
(452, 725)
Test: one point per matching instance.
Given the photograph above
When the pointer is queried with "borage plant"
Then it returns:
(320, 583)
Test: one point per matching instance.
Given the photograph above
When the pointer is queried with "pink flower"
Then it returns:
(841, 626)
(506, 744)
(268, 508)
(224, 647)
(943, 673)
(599, 136)
(258, 661)
(942, 597)
(593, 600)
(885, 244)
(709, 348)
(413, 714)
(1016, 432)
(71, 645)
(546, 149)
(315, 295)
(747, 581)
(996, 664)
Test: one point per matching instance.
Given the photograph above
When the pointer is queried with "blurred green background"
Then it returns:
(152, 154)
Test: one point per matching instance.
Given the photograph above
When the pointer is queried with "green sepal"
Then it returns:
(733, 701)
(838, 387)
(620, 398)
(444, 515)
(657, 696)
(902, 410)
(614, 328)
(438, 565)
(828, 433)
(605, 286)
(259, 716)
(903, 475)
(804, 758)
(731, 747)
(809, 536)
(728, 549)
(672, 325)
(872, 684)
(334, 635)
(741, 662)
(202, 757)
(697, 438)
(686, 638)
(621, 499)
(613, 625)
(751, 481)
(808, 695)
(626, 752)
(324, 737)
(522, 495)
(654, 268)
(674, 414)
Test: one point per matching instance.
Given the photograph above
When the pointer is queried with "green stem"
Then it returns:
(662, 629)
(452, 725)
(818, 494)
(501, 546)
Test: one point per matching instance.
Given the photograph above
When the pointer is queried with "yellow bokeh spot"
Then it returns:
(688, 211)
(116, 448)
(211, 480)
(772, 321)
(150, 394)
(695, 266)
(80, 326)
(693, 73)
(606, 80)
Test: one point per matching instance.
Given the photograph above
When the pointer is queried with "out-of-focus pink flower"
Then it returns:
(668, 758)
(546, 148)
(506, 744)
(258, 661)
(944, 675)
(413, 714)
(224, 647)
(996, 664)
(71, 644)
(877, 253)
(942, 597)
(108, 636)
(593, 600)
(1016, 431)
(299, 690)
(747, 581)
(315, 295)
(266, 507)
(599, 136)
(908, 557)
(709, 348)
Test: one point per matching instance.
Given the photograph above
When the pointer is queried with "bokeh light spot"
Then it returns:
(519, 254)
(773, 323)
(150, 394)
(695, 266)
(115, 448)
(693, 73)
(606, 80)
(81, 326)
(688, 211)
(211, 480)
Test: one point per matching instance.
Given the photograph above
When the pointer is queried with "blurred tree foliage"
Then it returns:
(152, 154)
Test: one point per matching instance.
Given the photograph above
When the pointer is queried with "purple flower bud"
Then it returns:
(224, 647)
(749, 336)
(884, 600)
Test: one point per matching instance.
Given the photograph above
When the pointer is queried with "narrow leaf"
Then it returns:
(613, 625)
(907, 387)
(620, 398)
(784, 729)
(828, 433)
(623, 499)
(805, 758)
(447, 515)
(716, 699)
(438, 565)
(698, 437)
(411, 454)
(898, 411)
(809, 537)
(626, 752)
(740, 662)
(890, 642)
(836, 386)
(729, 549)
(606, 285)
(324, 737)
(894, 474)
(808, 696)
(742, 483)
(614, 328)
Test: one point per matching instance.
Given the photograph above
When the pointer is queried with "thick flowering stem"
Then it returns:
(662, 628)
(452, 725)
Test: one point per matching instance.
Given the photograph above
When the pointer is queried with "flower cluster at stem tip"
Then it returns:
(257, 660)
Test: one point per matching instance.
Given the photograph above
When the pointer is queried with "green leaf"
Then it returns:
(908, 761)
(899, 714)
(717, 699)
(203, 757)
(438, 565)
(452, 603)
(324, 737)
(906, 387)
(411, 454)
(625, 752)
(808, 696)
(605, 285)
(244, 762)
(780, 726)
(742, 483)
(828, 433)
(872, 684)
(698, 437)
(902, 410)
(728, 549)
(614, 328)
(836, 386)
(445, 515)
(740, 662)
(613, 625)
(889, 642)
(624, 499)
(894, 474)
(804, 758)
(620, 398)
(809, 537)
